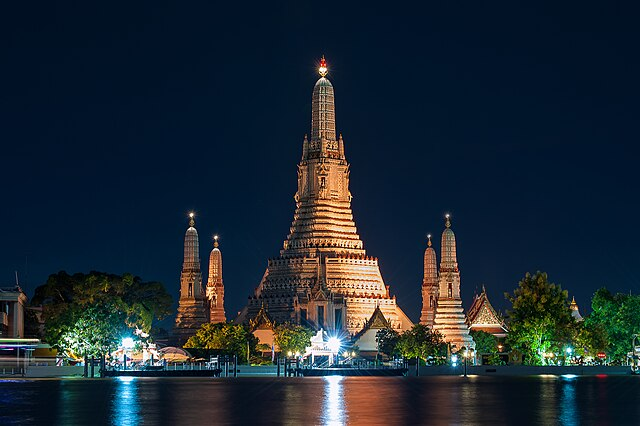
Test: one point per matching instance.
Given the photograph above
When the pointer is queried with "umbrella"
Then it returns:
(172, 354)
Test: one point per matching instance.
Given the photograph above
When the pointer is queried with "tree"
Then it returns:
(387, 340)
(292, 338)
(421, 342)
(486, 344)
(231, 339)
(612, 323)
(91, 313)
(540, 320)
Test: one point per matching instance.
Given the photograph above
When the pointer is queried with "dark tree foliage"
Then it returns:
(91, 313)
(540, 320)
(421, 342)
(387, 340)
(292, 338)
(231, 339)
(486, 344)
(610, 327)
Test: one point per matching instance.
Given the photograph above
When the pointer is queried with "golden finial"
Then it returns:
(192, 222)
(448, 220)
(429, 238)
(322, 70)
(215, 241)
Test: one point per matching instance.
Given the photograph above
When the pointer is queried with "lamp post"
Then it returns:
(634, 355)
(466, 358)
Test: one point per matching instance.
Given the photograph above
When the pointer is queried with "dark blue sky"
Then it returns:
(522, 121)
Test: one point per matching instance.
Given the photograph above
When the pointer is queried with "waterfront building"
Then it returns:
(215, 287)
(365, 339)
(12, 305)
(323, 277)
(449, 318)
(483, 317)
(429, 286)
(262, 328)
(191, 306)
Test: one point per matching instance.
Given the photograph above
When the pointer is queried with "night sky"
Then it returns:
(521, 121)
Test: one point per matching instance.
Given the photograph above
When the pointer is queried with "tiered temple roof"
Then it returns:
(482, 316)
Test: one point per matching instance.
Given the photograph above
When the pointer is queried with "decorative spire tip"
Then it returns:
(215, 241)
(323, 70)
(448, 220)
(429, 238)
(192, 222)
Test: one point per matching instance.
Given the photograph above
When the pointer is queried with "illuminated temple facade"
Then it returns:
(323, 277)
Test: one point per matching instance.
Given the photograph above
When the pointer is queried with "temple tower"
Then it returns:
(191, 310)
(429, 286)
(215, 288)
(322, 277)
(450, 319)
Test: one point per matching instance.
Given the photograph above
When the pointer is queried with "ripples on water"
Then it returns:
(542, 400)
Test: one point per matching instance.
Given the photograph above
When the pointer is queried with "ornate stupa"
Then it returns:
(215, 287)
(323, 277)
(429, 285)
(575, 310)
(450, 320)
(191, 308)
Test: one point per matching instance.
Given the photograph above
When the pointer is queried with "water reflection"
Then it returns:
(126, 408)
(334, 412)
(568, 405)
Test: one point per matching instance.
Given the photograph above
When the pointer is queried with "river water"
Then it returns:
(533, 400)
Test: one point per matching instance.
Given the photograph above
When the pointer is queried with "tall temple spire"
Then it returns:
(323, 119)
(450, 320)
(191, 313)
(191, 247)
(215, 287)
(429, 285)
(323, 220)
(449, 260)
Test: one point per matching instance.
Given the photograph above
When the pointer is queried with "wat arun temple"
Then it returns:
(323, 277)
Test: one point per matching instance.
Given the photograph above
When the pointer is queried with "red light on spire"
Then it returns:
(323, 67)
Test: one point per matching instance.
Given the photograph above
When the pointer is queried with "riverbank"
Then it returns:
(520, 370)
(424, 371)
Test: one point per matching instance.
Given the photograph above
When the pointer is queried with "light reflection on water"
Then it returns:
(126, 407)
(331, 400)
(334, 407)
(568, 406)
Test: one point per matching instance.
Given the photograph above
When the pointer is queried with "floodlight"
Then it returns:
(334, 344)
